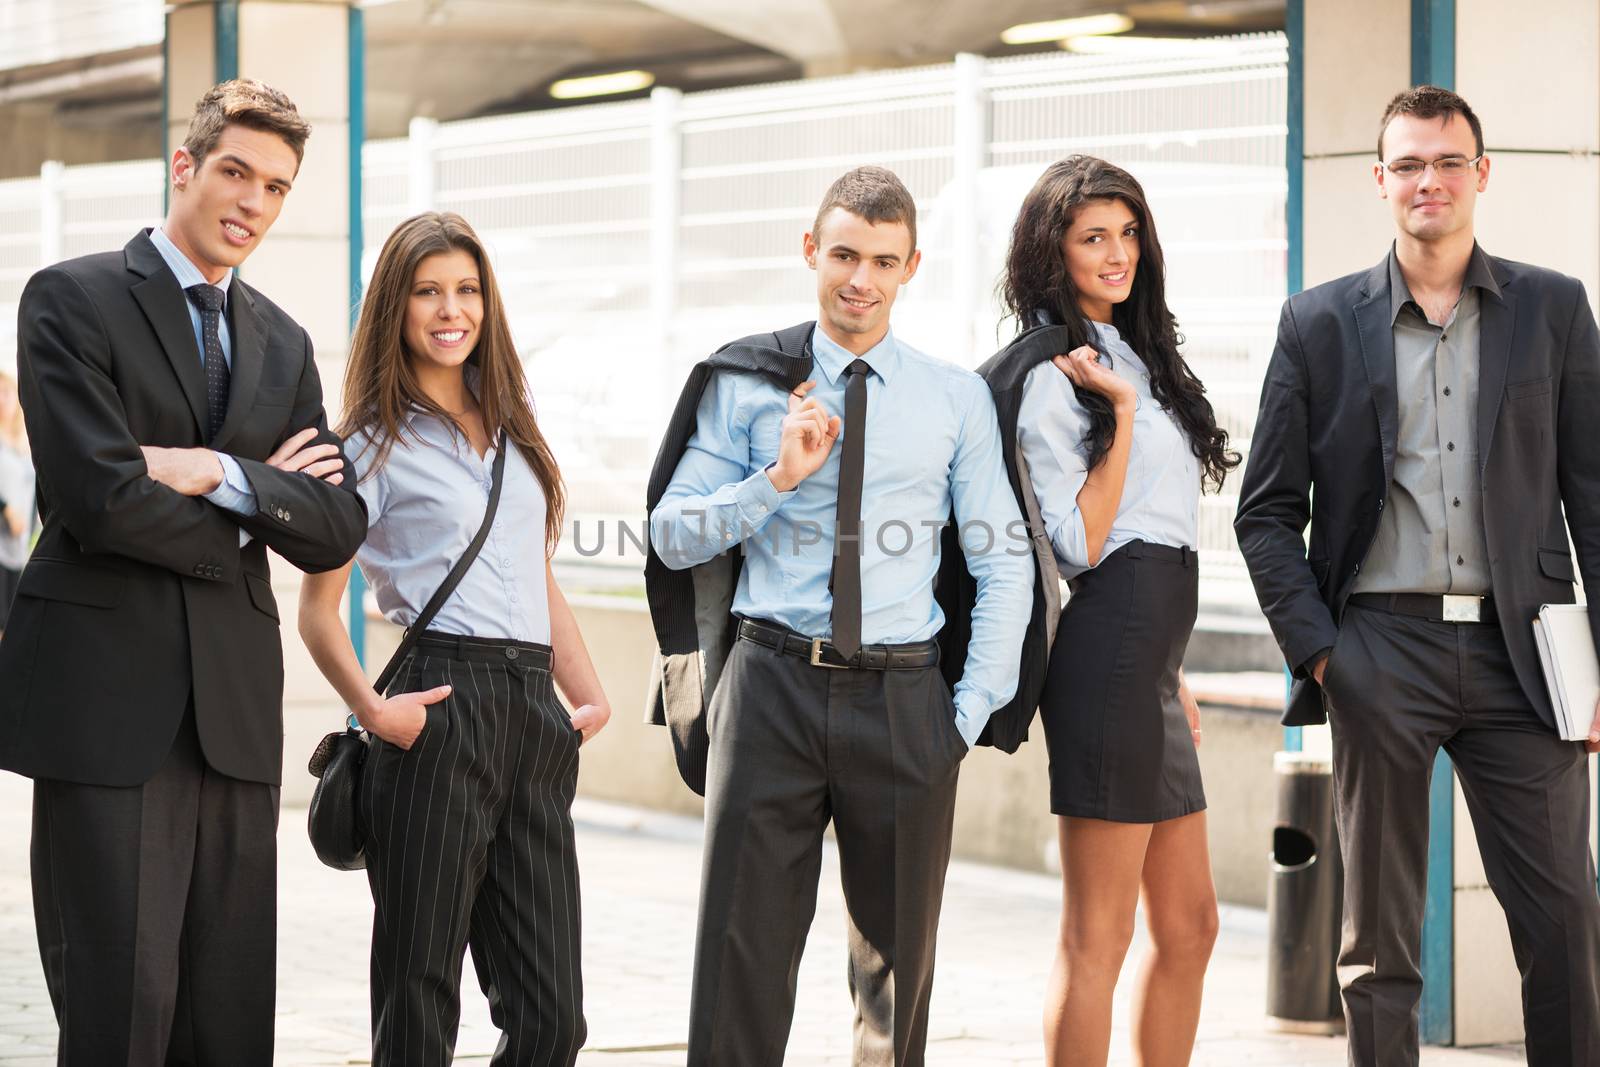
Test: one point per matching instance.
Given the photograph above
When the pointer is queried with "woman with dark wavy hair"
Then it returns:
(1119, 438)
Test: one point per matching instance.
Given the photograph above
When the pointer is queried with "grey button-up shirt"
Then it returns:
(1430, 536)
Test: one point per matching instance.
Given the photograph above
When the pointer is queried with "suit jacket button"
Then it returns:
(285, 514)
(200, 569)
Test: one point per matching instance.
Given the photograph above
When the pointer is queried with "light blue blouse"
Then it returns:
(423, 507)
(1161, 496)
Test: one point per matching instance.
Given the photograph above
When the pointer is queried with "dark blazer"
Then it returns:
(692, 610)
(1005, 373)
(1329, 419)
(138, 599)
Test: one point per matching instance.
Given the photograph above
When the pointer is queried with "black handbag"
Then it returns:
(336, 763)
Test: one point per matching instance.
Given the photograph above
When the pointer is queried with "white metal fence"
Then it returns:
(632, 238)
(66, 212)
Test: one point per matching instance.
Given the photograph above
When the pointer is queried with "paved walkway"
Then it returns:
(639, 878)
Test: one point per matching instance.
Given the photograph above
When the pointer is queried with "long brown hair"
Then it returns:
(1037, 279)
(380, 384)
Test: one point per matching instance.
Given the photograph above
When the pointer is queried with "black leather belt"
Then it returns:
(1183, 556)
(820, 653)
(1432, 606)
(485, 649)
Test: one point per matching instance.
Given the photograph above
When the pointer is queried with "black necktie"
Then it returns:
(209, 298)
(846, 583)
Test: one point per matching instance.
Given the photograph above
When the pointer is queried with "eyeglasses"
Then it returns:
(1446, 168)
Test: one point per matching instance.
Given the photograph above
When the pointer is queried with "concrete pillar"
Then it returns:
(1535, 84)
(310, 263)
(303, 47)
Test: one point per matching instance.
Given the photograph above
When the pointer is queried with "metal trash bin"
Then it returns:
(1304, 900)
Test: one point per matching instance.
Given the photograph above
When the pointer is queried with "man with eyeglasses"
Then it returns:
(1444, 406)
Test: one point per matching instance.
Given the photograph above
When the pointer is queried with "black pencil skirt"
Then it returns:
(1119, 742)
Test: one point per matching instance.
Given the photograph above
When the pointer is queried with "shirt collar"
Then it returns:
(833, 359)
(469, 374)
(1480, 275)
(182, 266)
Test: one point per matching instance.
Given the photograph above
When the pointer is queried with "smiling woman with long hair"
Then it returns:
(467, 788)
(1119, 438)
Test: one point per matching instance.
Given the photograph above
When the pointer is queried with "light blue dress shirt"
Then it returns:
(1161, 495)
(235, 493)
(932, 441)
(424, 504)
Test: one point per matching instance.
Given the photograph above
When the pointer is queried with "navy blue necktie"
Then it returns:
(209, 299)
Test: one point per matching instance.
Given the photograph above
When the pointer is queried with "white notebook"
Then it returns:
(1566, 651)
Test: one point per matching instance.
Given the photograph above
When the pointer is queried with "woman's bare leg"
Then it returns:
(1180, 904)
(1101, 865)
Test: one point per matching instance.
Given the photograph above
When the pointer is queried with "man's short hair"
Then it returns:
(248, 103)
(874, 194)
(1430, 102)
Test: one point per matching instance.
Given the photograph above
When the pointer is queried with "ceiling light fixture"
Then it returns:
(1061, 29)
(1143, 46)
(622, 81)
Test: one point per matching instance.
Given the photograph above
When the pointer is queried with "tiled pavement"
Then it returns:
(639, 875)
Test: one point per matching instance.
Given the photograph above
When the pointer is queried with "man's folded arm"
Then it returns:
(312, 523)
(90, 468)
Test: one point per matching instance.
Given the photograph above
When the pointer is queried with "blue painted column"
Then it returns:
(358, 134)
(1433, 62)
(225, 29)
(1294, 219)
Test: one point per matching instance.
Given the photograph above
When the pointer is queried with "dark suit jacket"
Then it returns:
(138, 598)
(692, 610)
(1005, 373)
(1329, 419)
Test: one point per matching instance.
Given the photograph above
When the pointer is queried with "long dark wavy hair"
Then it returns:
(1037, 281)
(380, 384)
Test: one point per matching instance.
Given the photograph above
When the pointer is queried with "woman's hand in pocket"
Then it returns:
(589, 720)
(400, 719)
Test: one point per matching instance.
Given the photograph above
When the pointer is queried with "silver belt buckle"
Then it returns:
(1463, 608)
(816, 657)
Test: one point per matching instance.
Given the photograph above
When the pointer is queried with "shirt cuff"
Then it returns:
(969, 722)
(758, 498)
(235, 493)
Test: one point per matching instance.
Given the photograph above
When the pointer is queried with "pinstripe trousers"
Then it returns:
(470, 844)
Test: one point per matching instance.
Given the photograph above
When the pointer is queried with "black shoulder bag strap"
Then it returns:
(453, 579)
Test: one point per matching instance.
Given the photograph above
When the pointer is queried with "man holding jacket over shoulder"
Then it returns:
(178, 430)
(833, 453)
(1443, 405)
